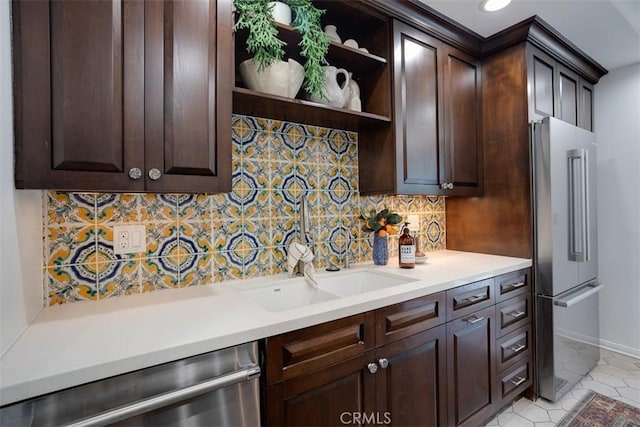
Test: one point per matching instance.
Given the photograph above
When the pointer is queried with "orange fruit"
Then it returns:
(382, 233)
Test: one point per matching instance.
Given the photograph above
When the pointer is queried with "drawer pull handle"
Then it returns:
(515, 285)
(517, 381)
(373, 368)
(474, 298)
(474, 319)
(517, 348)
(384, 363)
(517, 314)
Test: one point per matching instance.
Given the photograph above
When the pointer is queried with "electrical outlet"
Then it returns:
(122, 239)
(414, 222)
(129, 239)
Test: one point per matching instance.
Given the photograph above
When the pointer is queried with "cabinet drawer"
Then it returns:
(310, 349)
(513, 284)
(513, 348)
(407, 318)
(515, 381)
(512, 314)
(466, 299)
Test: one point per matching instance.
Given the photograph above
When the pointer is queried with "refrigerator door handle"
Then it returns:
(578, 205)
(584, 292)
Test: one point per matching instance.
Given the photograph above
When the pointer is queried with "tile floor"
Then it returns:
(616, 376)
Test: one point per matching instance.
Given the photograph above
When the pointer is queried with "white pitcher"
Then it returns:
(334, 94)
(353, 100)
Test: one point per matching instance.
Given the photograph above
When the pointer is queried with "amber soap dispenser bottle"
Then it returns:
(407, 248)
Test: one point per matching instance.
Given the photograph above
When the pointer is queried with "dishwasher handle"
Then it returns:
(585, 292)
(166, 399)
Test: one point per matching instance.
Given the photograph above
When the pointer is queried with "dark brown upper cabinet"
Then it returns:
(585, 115)
(529, 72)
(558, 91)
(123, 95)
(435, 134)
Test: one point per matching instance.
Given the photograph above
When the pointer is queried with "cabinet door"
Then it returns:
(472, 392)
(585, 112)
(418, 111)
(188, 83)
(541, 75)
(462, 127)
(79, 94)
(567, 95)
(412, 388)
(331, 397)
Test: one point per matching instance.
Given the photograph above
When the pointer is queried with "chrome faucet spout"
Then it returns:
(304, 221)
(303, 216)
(347, 258)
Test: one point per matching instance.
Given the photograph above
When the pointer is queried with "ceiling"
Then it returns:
(606, 30)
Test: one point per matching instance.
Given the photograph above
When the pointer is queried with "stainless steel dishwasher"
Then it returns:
(219, 388)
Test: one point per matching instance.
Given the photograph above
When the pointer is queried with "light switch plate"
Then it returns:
(129, 239)
(414, 222)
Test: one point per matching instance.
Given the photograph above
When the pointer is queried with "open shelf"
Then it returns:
(371, 70)
(252, 103)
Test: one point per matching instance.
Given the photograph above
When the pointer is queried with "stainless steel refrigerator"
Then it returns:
(565, 255)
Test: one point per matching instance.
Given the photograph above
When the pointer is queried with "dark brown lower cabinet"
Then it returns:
(399, 384)
(411, 390)
(404, 364)
(472, 392)
(330, 397)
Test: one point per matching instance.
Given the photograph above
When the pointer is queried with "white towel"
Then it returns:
(304, 254)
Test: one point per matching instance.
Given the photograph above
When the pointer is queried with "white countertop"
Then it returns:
(72, 344)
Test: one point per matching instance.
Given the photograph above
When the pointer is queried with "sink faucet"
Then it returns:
(347, 258)
(304, 230)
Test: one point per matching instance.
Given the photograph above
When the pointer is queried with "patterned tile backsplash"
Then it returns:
(195, 239)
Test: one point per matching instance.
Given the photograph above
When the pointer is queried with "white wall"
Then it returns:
(20, 219)
(617, 127)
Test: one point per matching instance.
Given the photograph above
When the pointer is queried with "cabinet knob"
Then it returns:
(373, 368)
(155, 174)
(384, 362)
(450, 186)
(444, 185)
(135, 173)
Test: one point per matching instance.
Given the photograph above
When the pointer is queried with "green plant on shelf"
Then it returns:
(265, 46)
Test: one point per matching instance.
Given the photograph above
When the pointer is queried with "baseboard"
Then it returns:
(619, 348)
(607, 345)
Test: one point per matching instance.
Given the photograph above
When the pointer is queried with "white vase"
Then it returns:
(353, 100)
(281, 12)
(280, 78)
(332, 33)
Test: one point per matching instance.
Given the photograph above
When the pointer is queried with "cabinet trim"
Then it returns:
(539, 33)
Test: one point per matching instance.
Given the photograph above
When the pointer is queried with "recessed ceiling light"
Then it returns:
(493, 5)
